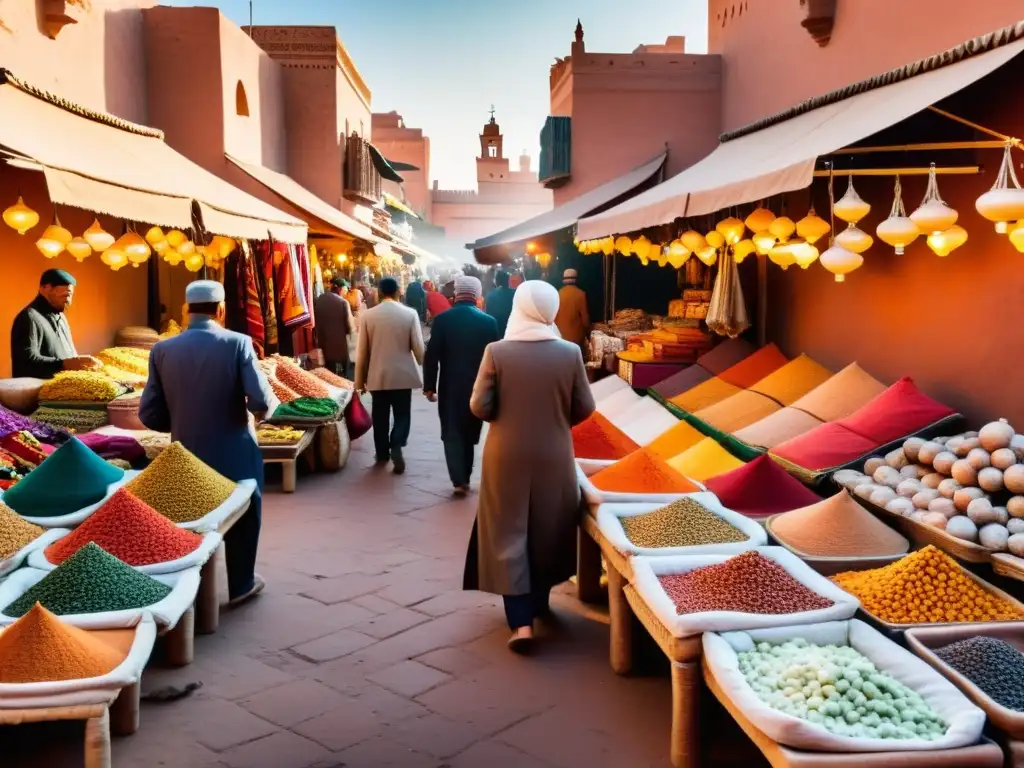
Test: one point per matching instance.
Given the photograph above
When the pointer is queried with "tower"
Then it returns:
(491, 140)
(492, 166)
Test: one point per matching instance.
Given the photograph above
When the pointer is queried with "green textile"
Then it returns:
(307, 408)
(70, 478)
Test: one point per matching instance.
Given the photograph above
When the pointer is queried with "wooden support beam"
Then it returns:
(935, 146)
(965, 170)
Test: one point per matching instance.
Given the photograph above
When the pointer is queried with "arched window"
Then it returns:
(241, 101)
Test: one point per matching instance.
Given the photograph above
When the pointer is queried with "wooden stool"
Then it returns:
(287, 456)
(179, 645)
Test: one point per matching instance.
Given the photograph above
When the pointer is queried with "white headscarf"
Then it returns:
(533, 313)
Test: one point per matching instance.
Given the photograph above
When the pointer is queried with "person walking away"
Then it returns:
(532, 388)
(334, 325)
(389, 350)
(203, 384)
(436, 302)
(416, 298)
(499, 301)
(573, 320)
(457, 343)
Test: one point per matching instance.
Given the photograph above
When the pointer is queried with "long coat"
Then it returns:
(334, 324)
(458, 339)
(416, 298)
(573, 319)
(524, 539)
(499, 306)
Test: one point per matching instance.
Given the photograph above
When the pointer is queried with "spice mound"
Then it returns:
(683, 523)
(130, 530)
(839, 689)
(70, 386)
(90, 581)
(993, 665)
(15, 532)
(837, 527)
(128, 359)
(39, 647)
(307, 408)
(747, 583)
(597, 438)
(181, 487)
(78, 420)
(642, 472)
(299, 380)
(268, 434)
(329, 377)
(925, 587)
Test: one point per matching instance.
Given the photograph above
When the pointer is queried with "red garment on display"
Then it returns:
(761, 488)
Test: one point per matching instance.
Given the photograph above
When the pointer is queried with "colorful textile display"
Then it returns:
(251, 299)
(264, 263)
(115, 447)
(760, 488)
(15, 422)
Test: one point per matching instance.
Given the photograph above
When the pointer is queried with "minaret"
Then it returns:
(577, 46)
(492, 165)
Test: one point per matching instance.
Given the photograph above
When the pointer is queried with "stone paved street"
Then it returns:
(364, 651)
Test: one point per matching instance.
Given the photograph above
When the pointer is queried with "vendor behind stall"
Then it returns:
(41, 343)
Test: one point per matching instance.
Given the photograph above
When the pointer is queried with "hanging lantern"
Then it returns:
(708, 255)
(933, 215)
(543, 259)
(114, 258)
(898, 230)
(624, 245)
(175, 238)
(607, 246)
(944, 243)
(782, 228)
(162, 247)
(854, 239)
(742, 249)
(211, 256)
(135, 248)
(759, 220)
(1005, 201)
(20, 217)
(678, 254)
(732, 229)
(662, 254)
(641, 248)
(224, 246)
(714, 240)
(54, 239)
(194, 261)
(1017, 235)
(186, 249)
(155, 235)
(764, 241)
(79, 248)
(850, 207)
(812, 227)
(97, 237)
(694, 241)
(782, 255)
(840, 262)
(804, 253)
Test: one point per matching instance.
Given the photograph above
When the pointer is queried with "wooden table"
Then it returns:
(287, 456)
(179, 644)
(207, 606)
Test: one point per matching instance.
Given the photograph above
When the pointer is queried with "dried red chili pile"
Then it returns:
(130, 530)
(747, 583)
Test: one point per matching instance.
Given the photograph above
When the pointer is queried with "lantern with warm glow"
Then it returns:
(186, 249)
(678, 254)
(851, 208)
(194, 261)
(714, 240)
(155, 235)
(624, 245)
(759, 220)
(947, 241)
(708, 254)
(543, 259)
(764, 241)
(804, 253)
(175, 238)
(642, 248)
(171, 256)
(899, 230)
(782, 228)
(54, 239)
(224, 246)
(855, 239)
(841, 262)
(97, 237)
(933, 215)
(607, 246)
(1017, 235)
(693, 241)
(782, 255)
(732, 229)
(1005, 201)
(20, 217)
(660, 252)
(812, 227)
(79, 248)
(742, 249)
(114, 258)
(135, 248)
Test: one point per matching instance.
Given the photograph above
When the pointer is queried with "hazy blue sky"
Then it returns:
(442, 63)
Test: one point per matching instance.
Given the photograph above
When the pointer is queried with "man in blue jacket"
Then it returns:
(499, 301)
(458, 339)
(202, 386)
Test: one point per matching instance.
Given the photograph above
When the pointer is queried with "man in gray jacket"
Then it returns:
(388, 356)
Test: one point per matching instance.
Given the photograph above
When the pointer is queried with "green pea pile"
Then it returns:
(683, 523)
(90, 581)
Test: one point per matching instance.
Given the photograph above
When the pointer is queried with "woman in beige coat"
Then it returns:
(532, 387)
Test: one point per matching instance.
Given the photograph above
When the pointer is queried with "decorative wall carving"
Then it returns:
(819, 18)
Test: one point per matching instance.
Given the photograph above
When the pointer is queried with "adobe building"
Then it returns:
(409, 146)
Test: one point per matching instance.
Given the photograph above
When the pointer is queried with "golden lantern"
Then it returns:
(782, 255)
(764, 241)
(186, 249)
(732, 229)
(678, 254)
(194, 261)
(1005, 201)
(641, 248)
(759, 220)
(54, 239)
(804, 253)
(155, 235)
(812, 227)
(693, 241)
(944, 243)
(211, 256)
(607, 246)
(841, 262)
(543, 259)
(162, 247)
(175, 238)
(933, 215)
(661, 254)
(79, 248)
(20, 217)
(854, 239)
(114, 258)
(171, 256)
(97, 237)
(782, 228)
(135, 248)
(899, 230)
(224, 246)
(1017, 235)
(714, 240)
(624, 245)
(742, 249)
(708, 254)
(850, 207)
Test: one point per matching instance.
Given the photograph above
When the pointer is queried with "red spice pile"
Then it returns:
(747, 583)
(130, 530)
(597, 438)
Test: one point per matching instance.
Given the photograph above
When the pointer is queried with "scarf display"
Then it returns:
(264, 256)
(253, 305)
(292, 311)
(533, 313)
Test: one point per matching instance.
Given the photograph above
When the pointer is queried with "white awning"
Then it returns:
(101, 163)
(567, 215)
(781, 156)
(299, 196)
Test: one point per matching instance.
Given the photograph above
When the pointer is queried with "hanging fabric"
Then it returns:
(289, 290)
(253, 308)
(727, 315)
(264, 256)
(234, 293)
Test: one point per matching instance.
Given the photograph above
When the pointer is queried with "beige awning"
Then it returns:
(778, 154)
(101, 163)
(302, 198)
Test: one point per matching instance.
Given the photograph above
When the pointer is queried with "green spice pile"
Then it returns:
(77, 420)
(307, 408)
(181, 487)
(90, 581)
(683, 523)
(993, 665)
(838, 688)
(15, 532)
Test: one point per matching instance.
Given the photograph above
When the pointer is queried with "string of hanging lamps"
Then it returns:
(837, 259)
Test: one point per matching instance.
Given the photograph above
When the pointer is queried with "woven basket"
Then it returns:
(138, 337)
(123, 413)
(333, 446)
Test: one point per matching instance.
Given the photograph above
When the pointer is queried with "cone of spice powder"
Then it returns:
(90, 581)
(181, 487)
(837, 527)
(704, 460)
(677, 439)
(598, 439)
(642, 472)
(15, 532)
(39, 647)
(130, 530)
(761, 488)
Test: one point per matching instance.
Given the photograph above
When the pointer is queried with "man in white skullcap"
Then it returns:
(573, 319)
(202, 386)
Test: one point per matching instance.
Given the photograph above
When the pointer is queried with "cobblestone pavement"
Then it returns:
(364, 651)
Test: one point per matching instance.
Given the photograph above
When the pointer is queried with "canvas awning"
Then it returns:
(101, 163)
(778, 154)
(567, 215)
(302, 198)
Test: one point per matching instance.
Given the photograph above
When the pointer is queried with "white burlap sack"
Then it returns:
(593, 466)
(595, 495)
(965, 721)
(646, 571)
(79, 517)
(15, 561)
(90, 690)
(184, 587)
(197, 559)
(213, 520)
(609, 521)
(618, 402)
(606, 387)
(644, 421)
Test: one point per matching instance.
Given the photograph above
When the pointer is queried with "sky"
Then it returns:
(442, 63)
